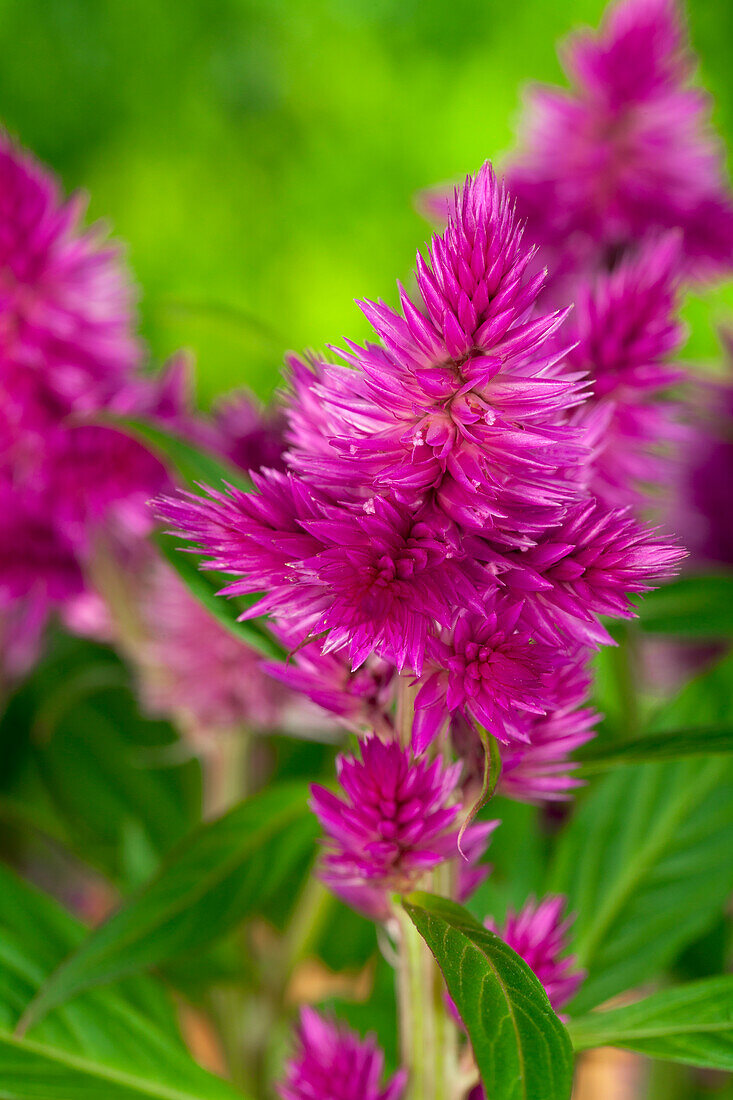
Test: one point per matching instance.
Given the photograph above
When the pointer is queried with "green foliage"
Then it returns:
(39, 1071)
(645, 859)
(654, 747)
(96, 772)
(690, 607)
(645, 864)
(219, 874)
(690, 1023)
(522, 1049)
(122, 1041)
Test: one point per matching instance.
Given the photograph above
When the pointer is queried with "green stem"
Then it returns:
(227, 770)
(310, 916)
(228, 1008)
(427, 1033)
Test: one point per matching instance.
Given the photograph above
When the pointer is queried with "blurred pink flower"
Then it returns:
(331, 1062)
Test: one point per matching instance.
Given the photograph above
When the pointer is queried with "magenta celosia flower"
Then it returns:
(538, 933)
(463, 397)
(540, 768)
(624, 329)
(68, 353)
(489, 670)
(65, 301)
(587, 567)
(440, 468)
(331, 1062)
(397, 819)
(373, 579)
(638, 153)
(36, 559)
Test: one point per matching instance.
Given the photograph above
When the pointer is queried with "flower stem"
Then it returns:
(427, 1033)
(227, 777)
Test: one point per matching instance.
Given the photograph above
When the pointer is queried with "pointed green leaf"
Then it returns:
(675, 745)
(522, 1049)
(212, 880)
(37, 1071)
(691, 1023)
(690, 607)
(645, 863)
(127, 1031)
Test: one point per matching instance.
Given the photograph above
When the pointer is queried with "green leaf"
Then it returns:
(93, 771)
(125, 1031)
(690, 1023)
(97, 763)
(205, 587)
(194, 465)
(37, 1071)
(690, 607)
(216, 876)
(521, 1048)
(645, 863)
(675, 745)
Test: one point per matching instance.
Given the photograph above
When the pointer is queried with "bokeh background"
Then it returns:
(261, 157)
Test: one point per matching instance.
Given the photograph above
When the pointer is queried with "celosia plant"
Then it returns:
(437, 515)
(395, 630)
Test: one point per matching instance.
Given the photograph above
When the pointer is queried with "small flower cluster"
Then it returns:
(331, 1061)
(399, 819)
(637, 204)
(639, 156)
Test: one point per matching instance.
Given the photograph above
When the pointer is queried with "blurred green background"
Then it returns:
(261, 157)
